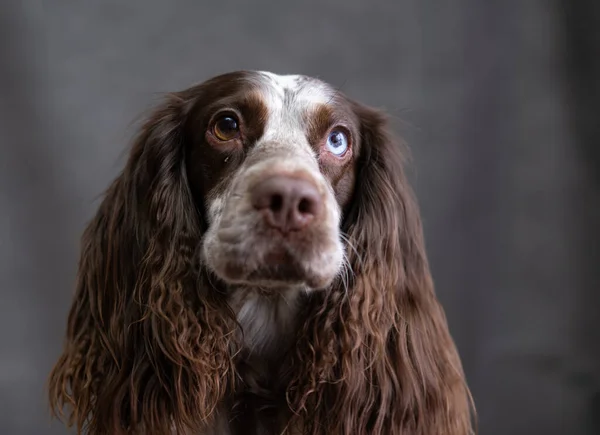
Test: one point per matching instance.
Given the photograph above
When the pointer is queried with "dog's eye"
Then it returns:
(226, 128)
(337, 143)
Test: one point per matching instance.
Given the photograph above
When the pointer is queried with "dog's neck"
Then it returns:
(268, 318)
(268, 326)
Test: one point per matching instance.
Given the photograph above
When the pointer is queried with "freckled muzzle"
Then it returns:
(279, 226)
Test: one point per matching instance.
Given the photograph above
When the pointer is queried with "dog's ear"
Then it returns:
(421, 370)
(381, 358)
(145, 348)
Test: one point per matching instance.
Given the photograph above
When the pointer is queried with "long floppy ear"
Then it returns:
(146, 348)
(379, 357)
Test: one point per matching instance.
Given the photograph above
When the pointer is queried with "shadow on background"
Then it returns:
(581, 47)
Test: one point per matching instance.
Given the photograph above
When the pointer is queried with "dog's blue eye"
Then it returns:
(337, 143)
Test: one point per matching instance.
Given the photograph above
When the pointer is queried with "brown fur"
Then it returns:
(377, 358)
(150, 342)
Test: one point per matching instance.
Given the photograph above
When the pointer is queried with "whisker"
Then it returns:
(345, 274)
(351, 246)
(210, 282)
(287, 302)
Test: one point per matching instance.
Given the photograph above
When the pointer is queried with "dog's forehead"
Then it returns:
(293, 91)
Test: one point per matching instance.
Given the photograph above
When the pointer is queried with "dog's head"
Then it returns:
(273, 162)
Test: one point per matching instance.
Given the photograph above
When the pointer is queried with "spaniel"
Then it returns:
(258, 267)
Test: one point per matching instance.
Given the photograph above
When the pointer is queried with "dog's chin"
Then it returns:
(268, 260)
(272, 276)
(277, 270)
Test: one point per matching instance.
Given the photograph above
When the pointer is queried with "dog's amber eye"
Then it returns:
(226, 128)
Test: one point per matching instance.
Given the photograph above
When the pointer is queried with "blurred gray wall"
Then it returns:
(498, 100)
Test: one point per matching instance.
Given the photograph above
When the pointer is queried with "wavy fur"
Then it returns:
(376, 356)
(148, 335)
(150, 345)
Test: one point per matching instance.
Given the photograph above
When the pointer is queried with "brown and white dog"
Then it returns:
(259, 268)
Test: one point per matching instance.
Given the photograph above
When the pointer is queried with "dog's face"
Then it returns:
(273, 161)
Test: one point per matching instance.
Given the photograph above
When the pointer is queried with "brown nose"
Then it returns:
(288, 204)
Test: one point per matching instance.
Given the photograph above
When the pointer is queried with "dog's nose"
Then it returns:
(288, 203)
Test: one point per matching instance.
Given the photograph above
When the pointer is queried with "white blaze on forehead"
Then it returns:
(285, 81)
(305, 90)
(288, 98)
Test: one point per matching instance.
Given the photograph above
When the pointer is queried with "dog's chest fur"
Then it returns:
(268, 327)
(268, 320)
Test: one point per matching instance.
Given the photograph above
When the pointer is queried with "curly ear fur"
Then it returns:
(147, 347)
(149, 339)
(377, 356)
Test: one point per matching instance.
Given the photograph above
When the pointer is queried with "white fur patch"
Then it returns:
(267, 320)
(287, 98)
(236, 244)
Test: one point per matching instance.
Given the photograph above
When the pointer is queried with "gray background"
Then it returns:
(498, 100)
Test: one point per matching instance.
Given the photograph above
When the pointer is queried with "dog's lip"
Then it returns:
(280, 268)
(279, 262)
(229, 236)
(279, 255)
(232, 236)
(271, 260)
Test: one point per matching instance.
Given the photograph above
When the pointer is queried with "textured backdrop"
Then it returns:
(498, 100)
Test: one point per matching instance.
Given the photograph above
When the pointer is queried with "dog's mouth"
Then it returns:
(279, 266)
(283, 243)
